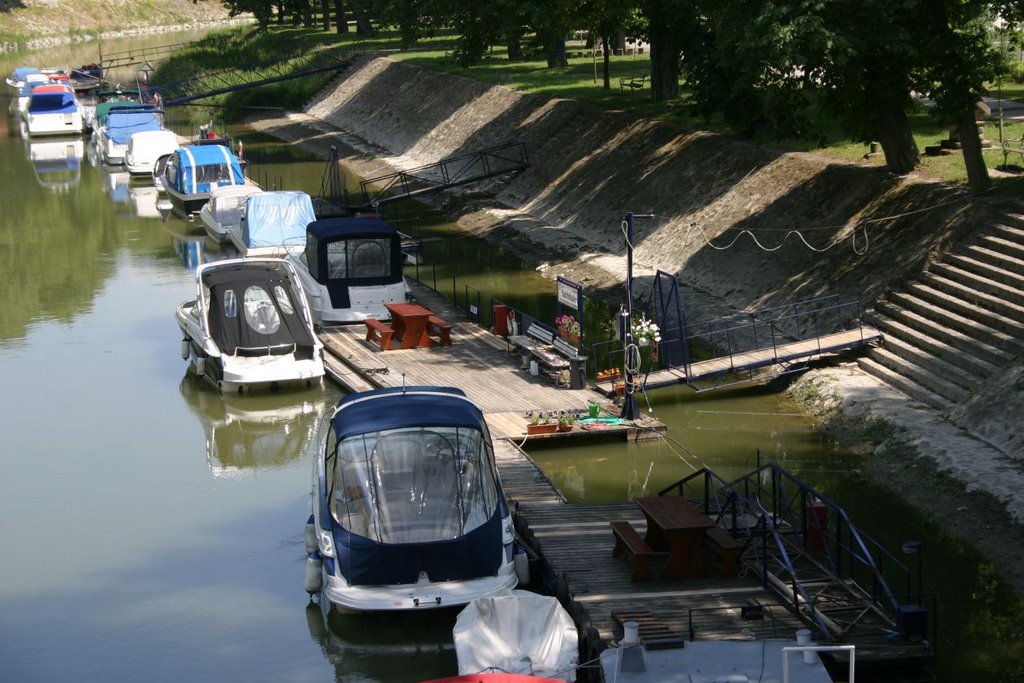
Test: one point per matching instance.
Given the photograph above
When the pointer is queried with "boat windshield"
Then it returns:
(413, 485)
(359, 258)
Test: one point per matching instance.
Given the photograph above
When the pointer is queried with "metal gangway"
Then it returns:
(453, 171)
(804, 547)
(148, 56)
(753, 346)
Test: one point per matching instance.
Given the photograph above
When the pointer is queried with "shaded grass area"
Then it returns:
(582, 80)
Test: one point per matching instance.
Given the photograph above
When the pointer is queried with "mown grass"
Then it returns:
(581, 80)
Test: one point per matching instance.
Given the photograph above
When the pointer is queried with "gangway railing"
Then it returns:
(795, 536)
(147, 55)
(451, 172)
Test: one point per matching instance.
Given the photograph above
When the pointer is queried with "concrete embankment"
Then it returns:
(742, 226)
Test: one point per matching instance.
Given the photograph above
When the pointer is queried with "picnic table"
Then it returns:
(675, 525)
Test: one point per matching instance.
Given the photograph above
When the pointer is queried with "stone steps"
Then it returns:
(958, 324)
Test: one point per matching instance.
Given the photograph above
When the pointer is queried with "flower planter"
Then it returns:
(565, 428)
(542, 428)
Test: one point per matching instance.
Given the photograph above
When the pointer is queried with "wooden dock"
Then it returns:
(574, 544)
(478, 362)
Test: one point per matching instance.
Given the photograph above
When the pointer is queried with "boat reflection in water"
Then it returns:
(251, 433)
(142, 198)
(57, 162)
(391, 646)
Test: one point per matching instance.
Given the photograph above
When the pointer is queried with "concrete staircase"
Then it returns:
(958, 324)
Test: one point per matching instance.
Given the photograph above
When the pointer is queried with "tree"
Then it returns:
(606, 19)
(669, 23)
(339, 16)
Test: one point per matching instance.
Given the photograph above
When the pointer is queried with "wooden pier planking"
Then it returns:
(478, 362)
(576, 540)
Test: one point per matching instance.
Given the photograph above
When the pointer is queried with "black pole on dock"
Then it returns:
(629, 408)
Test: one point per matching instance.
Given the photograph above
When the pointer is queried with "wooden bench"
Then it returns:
(377, 331)
(632, 82)
(436, 327)
(629, 542)
(726, 547)
(539, 342)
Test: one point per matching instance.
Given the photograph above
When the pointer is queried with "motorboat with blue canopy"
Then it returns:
(408, 511)
(351, 267)
(53, 110)
(273, 223)
(190, 173)
(20, 74)
(249, 327)
(121, 123)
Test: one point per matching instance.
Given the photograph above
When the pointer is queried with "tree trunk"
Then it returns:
(901, 153)
(280, 13)
(363, 25)
(606, 61)
(325, 9)
(974, 160)
(664, 70)
(555, 53)
(515, 46)
(339, 16)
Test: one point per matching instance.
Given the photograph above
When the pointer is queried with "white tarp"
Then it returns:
(521, 632)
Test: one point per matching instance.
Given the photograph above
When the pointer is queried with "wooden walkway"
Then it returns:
(479, 363)
(575, 541)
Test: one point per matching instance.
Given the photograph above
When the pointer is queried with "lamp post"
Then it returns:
(629, 409)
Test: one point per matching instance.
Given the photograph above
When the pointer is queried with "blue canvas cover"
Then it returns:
(337, 248)
(61, 102)
(104, 108)
(23, 72)
(200, 168)
(121, 124)
(418, 462)
(277, 219)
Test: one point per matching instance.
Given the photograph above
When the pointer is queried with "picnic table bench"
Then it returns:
(632, 82)
(380, 332)
(726, 547)
(437, 327)
(630, 543)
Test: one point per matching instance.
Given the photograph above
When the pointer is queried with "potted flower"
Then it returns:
(566, 421)
(645, 331)
(540, 422)
(568, 328)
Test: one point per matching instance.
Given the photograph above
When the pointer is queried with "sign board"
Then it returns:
(569, 293)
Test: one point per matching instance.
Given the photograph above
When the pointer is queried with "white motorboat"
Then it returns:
(249, 327)
(522, 633)
(145, 147)
(189, 174)
(351, 267)
(408, 511)
(53, 109)
(121, 123)
(273, 224)
(223, 212)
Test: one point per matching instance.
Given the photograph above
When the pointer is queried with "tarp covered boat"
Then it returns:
(521, 633)
(274, 223)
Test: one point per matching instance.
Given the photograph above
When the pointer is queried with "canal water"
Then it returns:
(151, 528)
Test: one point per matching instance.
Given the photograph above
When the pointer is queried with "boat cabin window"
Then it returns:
(413, 485)
(359, 258)
(213, 174)
(260, 312)
(284, 301)
(230, 304)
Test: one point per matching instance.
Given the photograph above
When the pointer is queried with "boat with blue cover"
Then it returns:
(190, 173)
(273, 223)
(120, 123)
(408, 511)
(53, 110)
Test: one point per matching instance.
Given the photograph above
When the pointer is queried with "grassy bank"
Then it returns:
(581, 80)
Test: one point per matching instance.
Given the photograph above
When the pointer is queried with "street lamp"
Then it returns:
(629, 408)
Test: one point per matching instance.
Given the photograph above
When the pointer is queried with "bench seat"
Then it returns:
(437, 327)
(380, 332)
(726, 547)
(630, 543)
